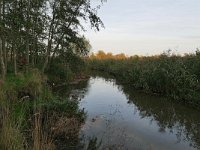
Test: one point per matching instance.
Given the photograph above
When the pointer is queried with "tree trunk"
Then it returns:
(27, 38)
(50, 39)
(3, 69)
(2, 65)
(48, 53)
(11, 55)
(4, 53)
(51, 34)
(14, 59)
(3, 37)
(27, 55)
(47, 56)
(33, 53)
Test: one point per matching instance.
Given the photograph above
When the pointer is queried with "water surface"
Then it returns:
(120, 117)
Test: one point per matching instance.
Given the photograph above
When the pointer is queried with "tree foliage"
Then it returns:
(102, 55)
(35, 32)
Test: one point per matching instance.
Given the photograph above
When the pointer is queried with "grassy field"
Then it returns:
(176, 77)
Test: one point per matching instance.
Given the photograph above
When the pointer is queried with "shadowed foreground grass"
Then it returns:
(31, 117)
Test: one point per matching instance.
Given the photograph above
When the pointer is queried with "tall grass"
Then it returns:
(29, 111)
(11, 136)
(170, 75)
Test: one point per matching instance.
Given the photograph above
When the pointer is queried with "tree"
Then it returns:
(34, 32)
(3, 69)
(197, 52)
(109, 55)
(101, 54)
(120, 56)
(64, 24)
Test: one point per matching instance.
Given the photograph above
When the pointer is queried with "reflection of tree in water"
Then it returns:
(112, 137)
(74, 91)
(69, 140)
(168, 115)
(79, 91)
(113, 132)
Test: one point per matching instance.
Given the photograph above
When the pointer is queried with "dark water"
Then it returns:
(121, 118)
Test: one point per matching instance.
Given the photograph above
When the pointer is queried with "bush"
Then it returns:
(173, 76)
(60, 73)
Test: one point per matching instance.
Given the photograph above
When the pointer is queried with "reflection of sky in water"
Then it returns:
(112, 119)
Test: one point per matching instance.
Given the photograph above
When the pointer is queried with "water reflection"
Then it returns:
(170, 116)
(118, 117)
(73, 91)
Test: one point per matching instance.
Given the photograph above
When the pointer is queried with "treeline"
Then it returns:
(33, 33)
(102, 55)
(170, 75)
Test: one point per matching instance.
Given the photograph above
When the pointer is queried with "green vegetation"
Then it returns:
(41, 45)
(35, 34)
(33, 118)
(174, 76)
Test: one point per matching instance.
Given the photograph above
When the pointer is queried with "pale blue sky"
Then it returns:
(148, 27)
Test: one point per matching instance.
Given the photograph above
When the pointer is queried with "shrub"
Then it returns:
(173, 76)
(59, 73)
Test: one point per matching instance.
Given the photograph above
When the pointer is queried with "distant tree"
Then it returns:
(120, 56)
(101, 54)
(136, 57)
(109, 55)
(197, 52)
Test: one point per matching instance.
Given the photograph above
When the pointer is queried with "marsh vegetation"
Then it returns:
(169, 75)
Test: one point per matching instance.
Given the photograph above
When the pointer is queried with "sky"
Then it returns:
(147, 27)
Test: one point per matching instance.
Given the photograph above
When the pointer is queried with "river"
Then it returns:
(119, 117)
